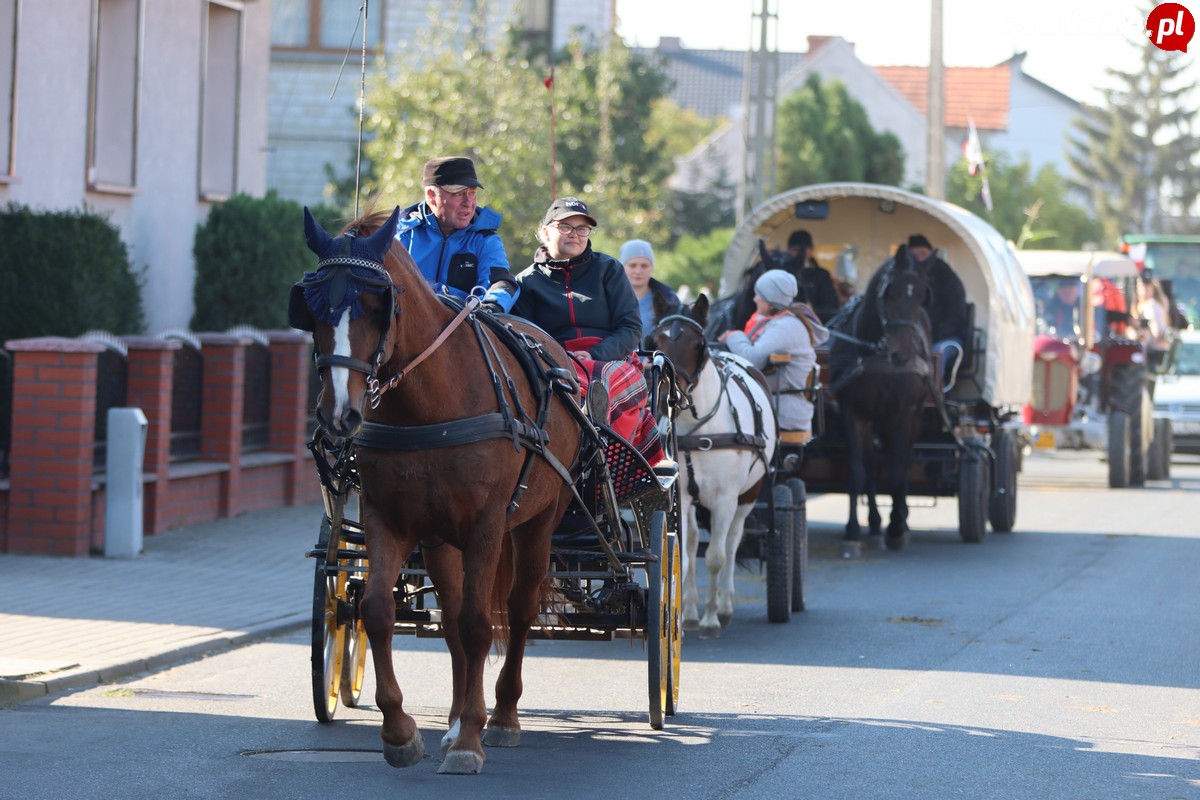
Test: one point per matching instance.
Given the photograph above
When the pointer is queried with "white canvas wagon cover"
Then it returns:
(856, 227)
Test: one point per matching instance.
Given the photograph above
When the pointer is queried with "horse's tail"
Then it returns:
(501, 588)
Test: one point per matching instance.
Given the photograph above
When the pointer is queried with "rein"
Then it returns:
(376, 390)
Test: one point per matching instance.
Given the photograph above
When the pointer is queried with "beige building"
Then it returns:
(146, 110)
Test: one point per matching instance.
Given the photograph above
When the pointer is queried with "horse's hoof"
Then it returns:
(725, 619)
(496, 736)
(691, 624)
(897, 542)
(461, 762)
(875, 541)
(404, 755)
(449, 739)
(851, 549)
(710, 631)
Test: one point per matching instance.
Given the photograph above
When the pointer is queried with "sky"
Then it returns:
(1068, 43)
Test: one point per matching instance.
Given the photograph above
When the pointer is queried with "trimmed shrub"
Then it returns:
(248, 253)
(65, 273)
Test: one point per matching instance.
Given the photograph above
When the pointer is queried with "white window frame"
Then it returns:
(114, 95)
(10, 14)
(220, 99)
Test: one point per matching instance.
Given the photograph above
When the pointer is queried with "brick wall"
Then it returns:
(54, 502)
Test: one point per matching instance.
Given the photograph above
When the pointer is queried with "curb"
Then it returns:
(15, 692)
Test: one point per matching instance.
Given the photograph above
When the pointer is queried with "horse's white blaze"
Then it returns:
(339, 377)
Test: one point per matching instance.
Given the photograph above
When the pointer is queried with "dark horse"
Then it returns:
(460, 448)
(880, 373)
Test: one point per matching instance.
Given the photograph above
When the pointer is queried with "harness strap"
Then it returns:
(412, 438)
(377, 390)
(334, 360)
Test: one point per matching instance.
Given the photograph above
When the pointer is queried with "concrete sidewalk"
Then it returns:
(72, 622)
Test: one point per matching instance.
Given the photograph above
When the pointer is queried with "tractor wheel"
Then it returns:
(1118, 449)
(1003, 510)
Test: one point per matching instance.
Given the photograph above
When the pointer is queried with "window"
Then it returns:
(9, 14)
(220, 100)
(114, 80)
(324, 24)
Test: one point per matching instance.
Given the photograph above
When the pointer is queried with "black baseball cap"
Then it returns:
(450, 171)
(565, 207)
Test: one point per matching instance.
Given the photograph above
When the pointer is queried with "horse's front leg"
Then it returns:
(480, 558)
(871, 487)
(691, 553)
(403, 744)
(855, 479)
(726, 585)
(445, 568)
(528, 558)
(898, 533)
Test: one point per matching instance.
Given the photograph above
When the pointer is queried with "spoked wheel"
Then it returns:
(675, 622)
(799, 543)
(328, 636)
(354, 655)
(779, 557)
(658, 623)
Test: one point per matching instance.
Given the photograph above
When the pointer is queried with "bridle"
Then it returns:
(336, 271)
(673, 326)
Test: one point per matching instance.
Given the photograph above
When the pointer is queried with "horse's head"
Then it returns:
(349, 304)
(899, 298)
(680, 337)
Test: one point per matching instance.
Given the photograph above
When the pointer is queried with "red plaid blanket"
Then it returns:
(628, 414)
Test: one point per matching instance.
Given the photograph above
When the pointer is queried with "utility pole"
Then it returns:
(760, 85)
(935, 123)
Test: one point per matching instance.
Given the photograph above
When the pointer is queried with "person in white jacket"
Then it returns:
(779, 326)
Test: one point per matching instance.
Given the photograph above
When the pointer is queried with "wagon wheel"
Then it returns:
(658, 623)
(779, 557)
(354, 655)
(799, 543)
(1003, 507)
(675, 620)
(328, 637)
(974, 490)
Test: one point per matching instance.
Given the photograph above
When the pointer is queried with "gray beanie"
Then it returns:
(636, 248)
(777, 287)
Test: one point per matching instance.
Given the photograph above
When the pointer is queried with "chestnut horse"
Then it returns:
(729, 436)
(463, 445)
(880, 373)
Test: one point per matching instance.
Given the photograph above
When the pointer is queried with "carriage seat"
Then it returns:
(811, 391)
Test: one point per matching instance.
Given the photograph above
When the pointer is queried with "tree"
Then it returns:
(491, 103)
(1035, 213)
(824, 135)
(1134, 154)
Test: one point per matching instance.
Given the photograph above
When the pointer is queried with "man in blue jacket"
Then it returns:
(453, 240)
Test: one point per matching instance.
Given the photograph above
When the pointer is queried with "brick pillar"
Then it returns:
(53, 446)
(151, 371)
(290, 358)
(221, 417)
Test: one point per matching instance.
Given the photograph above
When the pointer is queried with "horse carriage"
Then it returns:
(469, 492)
(732, 455)
(965, 441)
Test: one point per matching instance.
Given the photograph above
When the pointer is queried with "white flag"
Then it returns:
(972, 149)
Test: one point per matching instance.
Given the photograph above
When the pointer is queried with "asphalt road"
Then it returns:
(1059, 661)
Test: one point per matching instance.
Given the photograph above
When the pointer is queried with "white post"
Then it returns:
(123, 488)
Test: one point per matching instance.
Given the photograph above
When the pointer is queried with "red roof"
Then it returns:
(980, 93)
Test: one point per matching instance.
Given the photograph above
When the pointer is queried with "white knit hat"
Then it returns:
(636, 248)
(777, 287)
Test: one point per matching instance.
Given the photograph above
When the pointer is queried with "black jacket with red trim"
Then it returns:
(588, 295)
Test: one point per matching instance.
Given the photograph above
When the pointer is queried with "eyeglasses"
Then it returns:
(467, 192)
(582, 231)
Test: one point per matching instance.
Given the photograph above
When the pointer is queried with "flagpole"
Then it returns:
(549, 84)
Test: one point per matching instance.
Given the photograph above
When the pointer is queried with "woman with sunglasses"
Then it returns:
(585, 301)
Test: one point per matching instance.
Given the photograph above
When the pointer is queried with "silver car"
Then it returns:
(1177, 394)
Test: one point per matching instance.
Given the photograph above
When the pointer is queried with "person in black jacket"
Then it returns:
(584, 300)
(816, 284)
(946, 306)
(579, 296)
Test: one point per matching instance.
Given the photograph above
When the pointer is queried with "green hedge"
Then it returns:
(64, 273)
(248, 253)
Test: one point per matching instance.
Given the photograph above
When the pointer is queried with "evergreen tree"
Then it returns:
(1134, 154)
(824, 135)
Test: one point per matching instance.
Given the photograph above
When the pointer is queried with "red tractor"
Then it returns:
(1092, 385)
